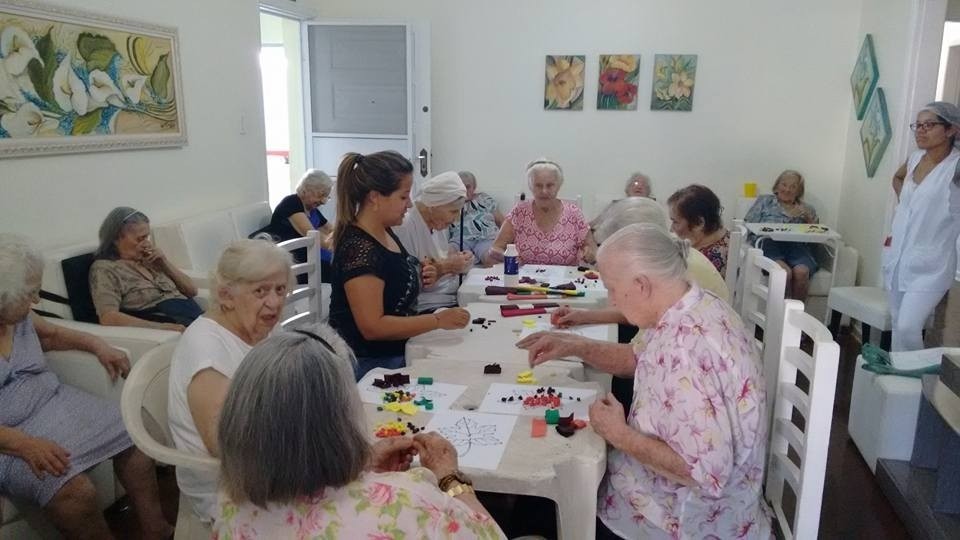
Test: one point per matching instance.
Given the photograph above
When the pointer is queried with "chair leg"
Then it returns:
(885, 339)
(835, 317)
(864, 333)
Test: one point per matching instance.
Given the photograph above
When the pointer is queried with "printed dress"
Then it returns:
(376, 506)
(698, 387)
(561, 245)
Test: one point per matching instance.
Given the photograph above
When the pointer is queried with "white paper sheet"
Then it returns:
(492, 402)
(591, 331)
(442, 394)
(480, 439)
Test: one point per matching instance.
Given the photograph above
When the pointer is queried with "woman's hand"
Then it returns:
(463, 261)
(151, 255)
(606, 417)
(566, 316)
(428, 273)
(436, 453)
(545, 346)
(393, 454)
(43, 456)
(114, 361)
(453, 318)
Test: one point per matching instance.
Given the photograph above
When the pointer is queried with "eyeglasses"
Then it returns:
(925, 126)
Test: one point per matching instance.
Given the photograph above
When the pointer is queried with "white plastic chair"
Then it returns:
(304, 301)
(145, 393)
(764, 284)
(735, 257)
(809, 444)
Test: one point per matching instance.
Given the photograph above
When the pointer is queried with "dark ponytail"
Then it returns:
(359, 175)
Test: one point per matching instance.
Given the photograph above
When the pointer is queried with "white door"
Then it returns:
(366, 89)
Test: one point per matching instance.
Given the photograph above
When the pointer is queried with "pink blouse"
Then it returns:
(699, 388)
(561, 245)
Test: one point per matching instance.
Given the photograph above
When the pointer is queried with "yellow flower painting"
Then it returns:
(674, 77)
(563, 83)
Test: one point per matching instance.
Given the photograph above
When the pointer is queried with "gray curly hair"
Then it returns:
(19, 262)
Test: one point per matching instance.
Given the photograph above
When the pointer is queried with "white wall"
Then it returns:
(866, 203)
(772, 91)
(62, 199)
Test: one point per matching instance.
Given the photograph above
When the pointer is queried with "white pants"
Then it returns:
(910, 311)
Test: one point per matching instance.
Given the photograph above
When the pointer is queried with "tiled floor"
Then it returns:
(853, 506)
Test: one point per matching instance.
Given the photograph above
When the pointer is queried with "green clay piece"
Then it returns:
(552, 416)
(429, 406)
(424, 380)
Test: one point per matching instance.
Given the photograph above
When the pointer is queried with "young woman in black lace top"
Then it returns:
(375, 281)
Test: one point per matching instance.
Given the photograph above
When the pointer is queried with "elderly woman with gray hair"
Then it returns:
(920, 257)
(689, 459)
(250, 288)
(299, 213)
(547, 229)
(481, 221)
(131, 281)
(291, 469)
(52, 433)
(424, 234)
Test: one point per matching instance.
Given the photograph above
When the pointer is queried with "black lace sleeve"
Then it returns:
(358, 255)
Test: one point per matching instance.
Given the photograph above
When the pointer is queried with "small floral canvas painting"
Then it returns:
(875, 132)
(864, 77)
(564, 83)
(617, 87)
(674, 76)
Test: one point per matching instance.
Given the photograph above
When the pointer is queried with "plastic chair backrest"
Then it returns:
(303, 300)
(735, 257)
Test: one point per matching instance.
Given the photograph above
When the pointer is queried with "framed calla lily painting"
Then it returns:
(74, 81)
(563, 83)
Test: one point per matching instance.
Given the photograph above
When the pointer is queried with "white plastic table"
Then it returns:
(812, 233)
(476, 345)
(567, 471)
(475, 283)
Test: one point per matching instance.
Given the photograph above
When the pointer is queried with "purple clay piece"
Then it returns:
(566, 430)
(492, 369)
(478, 320)
(566, 420)
(503, 399)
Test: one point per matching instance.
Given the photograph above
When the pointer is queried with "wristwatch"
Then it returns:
(455, 482)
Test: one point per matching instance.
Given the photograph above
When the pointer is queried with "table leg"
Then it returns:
(835, 317)
(576, 498)
(864, 333)
(885, 339)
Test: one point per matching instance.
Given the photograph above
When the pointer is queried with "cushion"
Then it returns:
(76, 277)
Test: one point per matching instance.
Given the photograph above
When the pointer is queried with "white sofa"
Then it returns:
(82, 370)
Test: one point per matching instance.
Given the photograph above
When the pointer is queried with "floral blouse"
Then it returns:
(479, 222)
(767, 209)
(561, 245)
(717, 253)
(376, 506)
(699, 388)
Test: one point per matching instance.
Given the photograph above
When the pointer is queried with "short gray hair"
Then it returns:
(627, 212)
(649, 250)
(248, 261)
(468, 178)
(639, 176)
(19, 261)
(544, 164)
(113, 226)
(292, 422)
(314, 181)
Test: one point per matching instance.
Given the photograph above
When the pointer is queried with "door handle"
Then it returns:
(422, 158)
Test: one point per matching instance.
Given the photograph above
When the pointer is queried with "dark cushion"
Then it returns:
(76, 275)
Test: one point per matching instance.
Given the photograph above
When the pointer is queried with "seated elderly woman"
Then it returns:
(131, 281)
(785, 205)
(546, 230)
(689, 459)
(638, 185)
(291, 469)
(376, 281)
(299, 213)
(481, 221)
(250, 288)
(424, 234)
(695, 215)
(52, 433)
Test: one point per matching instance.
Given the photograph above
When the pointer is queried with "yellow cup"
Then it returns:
(750, 190)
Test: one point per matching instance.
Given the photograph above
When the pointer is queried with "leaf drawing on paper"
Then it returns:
(466, 433)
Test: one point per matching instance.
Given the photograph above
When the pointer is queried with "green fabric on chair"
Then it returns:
(877, 361)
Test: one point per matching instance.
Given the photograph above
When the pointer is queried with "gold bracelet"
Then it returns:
(460, 489)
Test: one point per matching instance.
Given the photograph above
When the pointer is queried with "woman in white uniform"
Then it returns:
(920, 261)
(425, 236)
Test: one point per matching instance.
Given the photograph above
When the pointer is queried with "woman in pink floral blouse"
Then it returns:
(546, 230)
(688, 461)
(295, 461)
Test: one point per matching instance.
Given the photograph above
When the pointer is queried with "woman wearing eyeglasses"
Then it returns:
(546, 230)
(920, 258)
(132, 283)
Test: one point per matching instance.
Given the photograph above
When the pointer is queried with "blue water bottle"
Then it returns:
(511, 266)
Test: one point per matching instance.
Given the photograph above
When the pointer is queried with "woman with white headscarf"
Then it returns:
(920, 257)
(424, 234)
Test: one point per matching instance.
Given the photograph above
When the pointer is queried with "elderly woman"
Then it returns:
(424, 234)
(52, 433)
(785, 205)
(250, 288)
(689, 459)
(920, 260)
(290, 469)
(638, 185)
(481, 221)
(695, 216)
(299, 213)
(131, 281)
(546, 230)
